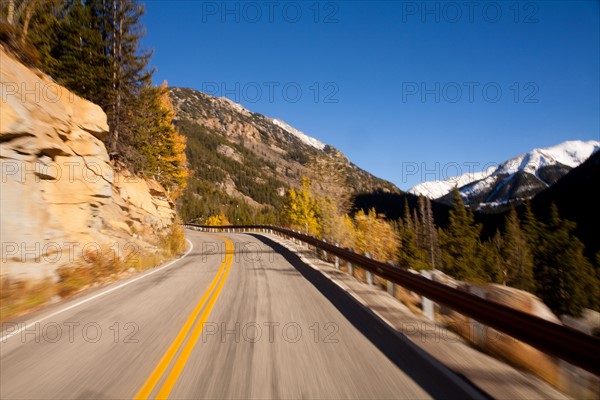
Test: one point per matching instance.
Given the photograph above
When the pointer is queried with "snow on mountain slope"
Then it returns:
(518, 178)
(317, 144)
(570, 153)
(436, 189)
(311, 141)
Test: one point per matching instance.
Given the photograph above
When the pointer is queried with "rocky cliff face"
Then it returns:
(60, 194)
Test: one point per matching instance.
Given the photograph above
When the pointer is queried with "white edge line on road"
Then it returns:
(4, 338)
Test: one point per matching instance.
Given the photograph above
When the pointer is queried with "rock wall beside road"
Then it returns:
(60, 194)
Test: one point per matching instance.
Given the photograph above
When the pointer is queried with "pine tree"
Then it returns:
(128, 64)
(407, 220)
(77, 57)
(460, 244)
(492, 258)
(565, 279)
(430, 236)
(516, 255)
(532, 228)
(410, 256)
(93, 48)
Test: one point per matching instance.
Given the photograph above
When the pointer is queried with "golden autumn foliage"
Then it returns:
(320, 215)
(335, 226)
(174, 159)
(217, 220)
(300, 210)
(157, 149)
(375, 236)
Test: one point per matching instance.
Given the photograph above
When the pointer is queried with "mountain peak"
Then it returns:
(236, 106)
(317, 144)
(516, 179)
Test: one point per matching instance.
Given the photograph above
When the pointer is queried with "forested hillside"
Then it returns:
(244, 162)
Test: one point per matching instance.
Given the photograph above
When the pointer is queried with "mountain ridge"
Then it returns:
(514, 180)
(252, 158)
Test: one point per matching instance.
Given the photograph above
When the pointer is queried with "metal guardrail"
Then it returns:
(557, 340)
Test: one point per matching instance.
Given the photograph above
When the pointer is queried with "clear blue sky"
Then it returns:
(369, 74)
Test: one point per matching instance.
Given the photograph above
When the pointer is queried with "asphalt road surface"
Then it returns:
(233, 318)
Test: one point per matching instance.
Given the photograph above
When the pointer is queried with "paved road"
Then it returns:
(267, 332)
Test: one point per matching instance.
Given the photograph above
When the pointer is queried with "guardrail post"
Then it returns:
(426, 304)
(337, 259)
(350, 269)
(391, 288)
(369, 274)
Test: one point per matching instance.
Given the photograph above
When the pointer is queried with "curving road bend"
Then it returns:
(231, 319)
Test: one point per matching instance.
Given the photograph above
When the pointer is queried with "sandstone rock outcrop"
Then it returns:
(568, 378)
(60, 193)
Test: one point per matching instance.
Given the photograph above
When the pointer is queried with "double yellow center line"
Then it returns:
(207, 299)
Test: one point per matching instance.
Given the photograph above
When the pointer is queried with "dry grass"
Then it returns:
(19, 296)
(103, 267)
(174, 241)
(96, 268)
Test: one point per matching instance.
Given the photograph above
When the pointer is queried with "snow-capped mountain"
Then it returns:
(514, 180)
(317, 144)
(437, 189)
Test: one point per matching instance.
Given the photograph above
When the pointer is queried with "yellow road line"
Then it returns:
(189, 346)
(160, 369)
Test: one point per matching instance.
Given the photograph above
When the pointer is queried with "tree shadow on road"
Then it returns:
(435, 378)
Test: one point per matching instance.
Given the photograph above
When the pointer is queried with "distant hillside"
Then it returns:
(244, 162)
(576, 196)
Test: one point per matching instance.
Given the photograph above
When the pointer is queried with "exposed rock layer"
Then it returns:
(60, 193)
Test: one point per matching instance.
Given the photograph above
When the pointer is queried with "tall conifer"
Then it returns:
(460, 243)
